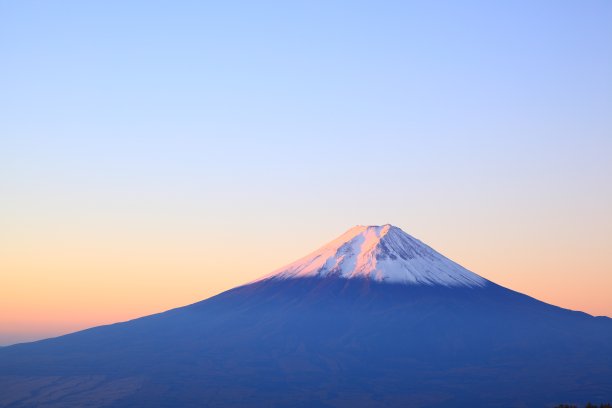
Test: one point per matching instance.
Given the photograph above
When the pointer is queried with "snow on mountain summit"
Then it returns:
(384, 254)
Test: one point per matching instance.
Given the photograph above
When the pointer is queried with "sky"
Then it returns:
(155, 153)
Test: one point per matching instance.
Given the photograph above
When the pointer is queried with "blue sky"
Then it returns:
(267, 96)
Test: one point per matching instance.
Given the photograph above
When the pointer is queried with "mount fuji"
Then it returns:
(375, 318)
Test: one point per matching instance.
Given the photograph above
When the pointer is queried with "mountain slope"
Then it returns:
(329, 336)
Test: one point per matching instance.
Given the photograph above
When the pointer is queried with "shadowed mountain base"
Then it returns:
(325, 342)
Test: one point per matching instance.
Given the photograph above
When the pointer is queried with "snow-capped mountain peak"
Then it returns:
(383, 253)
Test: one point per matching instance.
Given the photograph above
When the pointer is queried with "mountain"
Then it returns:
(375, 318)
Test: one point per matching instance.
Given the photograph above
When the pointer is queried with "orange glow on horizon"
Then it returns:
(55, 290)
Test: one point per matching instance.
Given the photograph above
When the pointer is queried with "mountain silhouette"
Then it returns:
(375, 318)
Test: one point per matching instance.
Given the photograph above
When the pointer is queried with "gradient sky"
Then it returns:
(155, 153)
